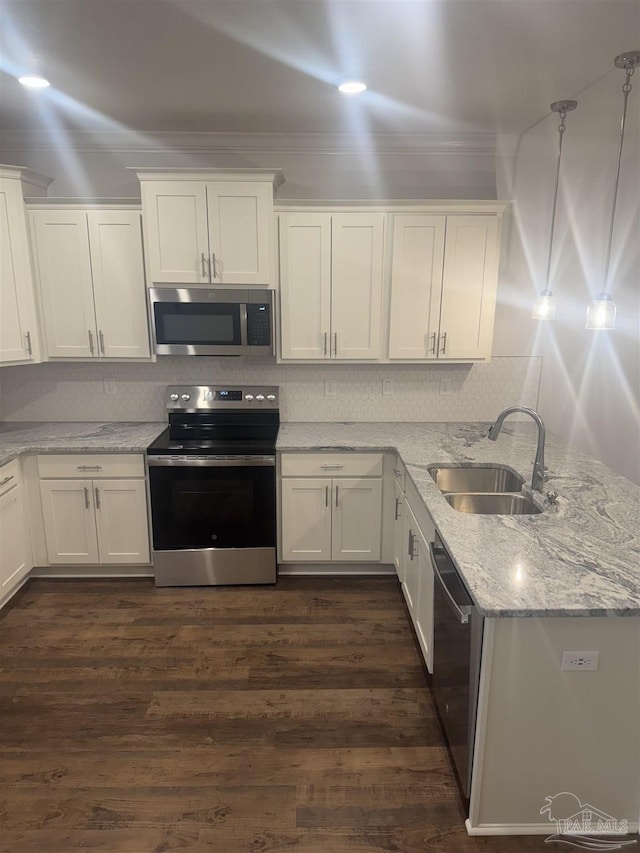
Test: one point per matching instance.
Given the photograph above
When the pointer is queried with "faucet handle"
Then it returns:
(551, 498)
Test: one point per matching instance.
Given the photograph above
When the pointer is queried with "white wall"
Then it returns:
(590, 384)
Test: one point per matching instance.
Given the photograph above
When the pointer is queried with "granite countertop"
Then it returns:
(17, 438)
(581, 558)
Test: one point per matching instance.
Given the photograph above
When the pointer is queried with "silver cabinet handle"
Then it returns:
(335, 339)
(331, 467)
(86, 498)
(214, 273)
(326, 495)
(97, 497)
(397, 513)
(90, 333)
(202, 260)
(325, 344)
(101, 340)
(28, 338)
(444, 343)
(463, 611)
(89, 467)
(6, 480)
(336, 496)
(432, 348)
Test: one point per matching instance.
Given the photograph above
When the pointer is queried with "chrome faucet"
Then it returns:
(537, 481)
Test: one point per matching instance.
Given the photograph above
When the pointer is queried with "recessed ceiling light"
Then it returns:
(34, 82)
(352, 87)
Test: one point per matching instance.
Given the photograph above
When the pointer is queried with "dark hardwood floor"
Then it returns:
(295, 718)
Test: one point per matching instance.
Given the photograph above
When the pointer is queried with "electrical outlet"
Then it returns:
(583, 661)
(445, 387)
(329, 388)
(388, 386)
(110, 386)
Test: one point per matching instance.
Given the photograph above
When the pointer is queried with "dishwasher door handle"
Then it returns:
(462, 611)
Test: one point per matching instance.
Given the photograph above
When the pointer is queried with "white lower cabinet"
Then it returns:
(331, 518)
(413, 565)
(102, 520)
(15, 556)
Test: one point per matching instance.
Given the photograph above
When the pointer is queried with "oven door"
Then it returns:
(213, 520)
(188, 321)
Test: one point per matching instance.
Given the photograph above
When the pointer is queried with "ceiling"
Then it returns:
(270, 66)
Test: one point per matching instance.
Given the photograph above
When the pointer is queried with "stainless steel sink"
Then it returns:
(475, 479)
(492, 504)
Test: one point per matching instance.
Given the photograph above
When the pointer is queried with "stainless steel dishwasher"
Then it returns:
(457, 645)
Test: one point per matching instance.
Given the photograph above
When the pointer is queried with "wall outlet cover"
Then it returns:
(580, 661)
(445, 387)
(110, 386)
(388, 386)
(329, 388)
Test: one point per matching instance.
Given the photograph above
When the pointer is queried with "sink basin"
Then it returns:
(492, 504)
(475, 479)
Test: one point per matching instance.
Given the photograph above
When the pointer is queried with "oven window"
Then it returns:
(194, 323)
(211, 507)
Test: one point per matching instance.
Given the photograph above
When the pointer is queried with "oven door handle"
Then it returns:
(211, 462)
(462, 611)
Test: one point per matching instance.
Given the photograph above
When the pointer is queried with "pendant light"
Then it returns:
(545, 306)
(601, 313)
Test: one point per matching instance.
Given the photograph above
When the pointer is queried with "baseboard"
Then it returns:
(343, 569)
(547, 828)
(7, 596)
(92, 572)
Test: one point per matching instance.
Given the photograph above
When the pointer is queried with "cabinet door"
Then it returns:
(18, 330)
(306, 519)
(423, 613)
(69, 521)
(356, 285)
(121, 521)
(469, 287)
(14, 552)
(410, 583)
(399, 550)
(115, 240)
(305, 285)
(64, 272)
(357, 519)
(176, 231)
(416, 283)
(240, 216)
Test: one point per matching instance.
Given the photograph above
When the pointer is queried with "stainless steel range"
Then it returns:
(212, 486)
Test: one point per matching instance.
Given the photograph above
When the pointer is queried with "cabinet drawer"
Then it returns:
(332, 465)
(9, 476)
(91, 465)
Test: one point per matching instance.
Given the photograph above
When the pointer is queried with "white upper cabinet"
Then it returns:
(91, 274)
(19, 335)
(209, 227)
(331, 268)
(444, 275)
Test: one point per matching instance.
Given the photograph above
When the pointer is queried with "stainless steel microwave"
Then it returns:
(207, 321)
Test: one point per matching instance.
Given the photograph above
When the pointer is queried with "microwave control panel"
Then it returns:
(259, 325)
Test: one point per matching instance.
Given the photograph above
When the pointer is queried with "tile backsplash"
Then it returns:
(331, 392)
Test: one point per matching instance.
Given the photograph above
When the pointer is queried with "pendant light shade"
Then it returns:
(545, 306)
(601, 313)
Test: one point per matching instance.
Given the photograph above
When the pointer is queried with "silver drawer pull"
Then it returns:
(331, 467)
(101, 339)
(90, 333)
(444, 343)
(326, 495)
(6, 480)
(204, 272)
(29, 349)
(86, 498)
(336, 496)
(89, 467)
(97, 498)
(397, 514)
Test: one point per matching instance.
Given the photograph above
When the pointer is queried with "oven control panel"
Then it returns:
(206, 397)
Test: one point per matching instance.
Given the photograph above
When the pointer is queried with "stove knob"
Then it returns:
(174, 397)
(248, 397)
(271, 398)
(260, 397)
(186, 397)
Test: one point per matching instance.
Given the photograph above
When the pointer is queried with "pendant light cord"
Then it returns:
(561, 129)
(625, 91)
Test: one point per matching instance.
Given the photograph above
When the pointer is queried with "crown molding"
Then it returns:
(188, 142)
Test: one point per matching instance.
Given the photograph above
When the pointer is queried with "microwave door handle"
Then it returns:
(243, 324)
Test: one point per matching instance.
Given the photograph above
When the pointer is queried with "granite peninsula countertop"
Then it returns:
(581, 558)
